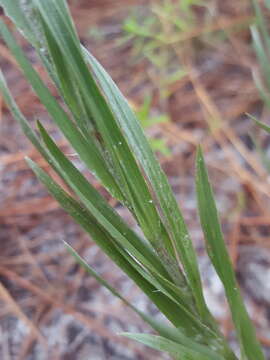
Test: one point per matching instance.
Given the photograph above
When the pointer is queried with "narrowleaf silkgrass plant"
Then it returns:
(163, 263)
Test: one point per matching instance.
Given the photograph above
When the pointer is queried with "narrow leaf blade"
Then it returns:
(260, 124)
(220, 258)
(162, 344)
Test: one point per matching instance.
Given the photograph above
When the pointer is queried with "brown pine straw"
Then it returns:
(53, 299)
(13, 307)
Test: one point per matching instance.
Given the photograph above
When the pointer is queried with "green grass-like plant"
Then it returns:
(143, 114)
(261, 43)
(163, 263)
(157, 32)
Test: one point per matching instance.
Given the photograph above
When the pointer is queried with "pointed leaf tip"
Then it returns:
(259, 123)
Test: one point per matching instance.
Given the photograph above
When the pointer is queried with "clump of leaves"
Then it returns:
(163, 263)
